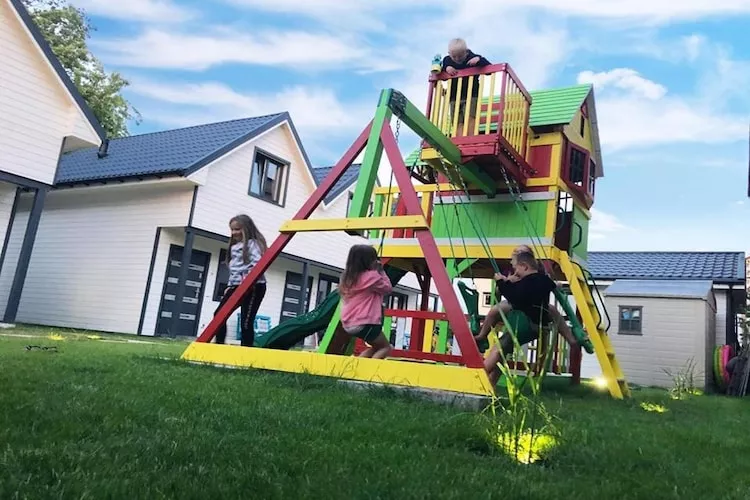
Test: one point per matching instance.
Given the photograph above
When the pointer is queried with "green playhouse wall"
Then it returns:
(493, 219)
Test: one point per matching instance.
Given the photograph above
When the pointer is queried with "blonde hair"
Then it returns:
(457, 44)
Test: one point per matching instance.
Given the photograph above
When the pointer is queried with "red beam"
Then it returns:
(427, 356)
(282, 241)
(432, 256)
(403, 313)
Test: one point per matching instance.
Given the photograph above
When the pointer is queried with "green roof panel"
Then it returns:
(557, 106)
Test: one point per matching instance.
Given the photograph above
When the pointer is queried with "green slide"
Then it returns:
(293, 331)
(575, 325)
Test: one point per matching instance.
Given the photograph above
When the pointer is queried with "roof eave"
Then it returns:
(55, 63)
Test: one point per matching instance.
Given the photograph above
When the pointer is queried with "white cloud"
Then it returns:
(162, 11)
(157, 48)
(636, 112)
(625, 79)
(644, 11)
(604, 225)
(314, 110)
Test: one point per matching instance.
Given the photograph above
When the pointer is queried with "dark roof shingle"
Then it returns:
(175, 152)
(719, 267)
(350, 177)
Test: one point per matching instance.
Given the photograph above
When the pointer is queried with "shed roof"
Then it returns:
(677, 289)
(719, 267)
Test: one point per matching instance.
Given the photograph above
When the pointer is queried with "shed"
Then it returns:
(659, 327)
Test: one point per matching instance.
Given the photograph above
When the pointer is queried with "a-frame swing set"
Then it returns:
(419, 250)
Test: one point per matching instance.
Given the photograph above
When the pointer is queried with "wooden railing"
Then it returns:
(482, 104)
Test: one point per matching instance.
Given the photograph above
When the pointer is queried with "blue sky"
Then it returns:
(671, 83)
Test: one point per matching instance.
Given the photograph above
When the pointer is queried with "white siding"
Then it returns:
(36, 109)
(673, 332)
(225, 194)
(90, 261)
(7, 195)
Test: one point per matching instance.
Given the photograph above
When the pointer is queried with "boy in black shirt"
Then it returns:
(527, 291)
(460, 57)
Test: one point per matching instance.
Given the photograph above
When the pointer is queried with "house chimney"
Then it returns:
(103, 149)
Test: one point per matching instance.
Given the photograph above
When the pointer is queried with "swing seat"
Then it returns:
(471, 299)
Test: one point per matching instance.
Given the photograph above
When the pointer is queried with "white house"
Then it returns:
(42, 116)
(122, 218)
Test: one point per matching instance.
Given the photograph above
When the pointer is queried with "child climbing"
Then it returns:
(363, 286)
(527, 291)
(246, 247)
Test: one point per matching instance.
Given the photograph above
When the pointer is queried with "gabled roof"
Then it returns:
(682, 289)
(557, 106)
(58, 68)
(349, 178)
(719, 267)
(177, 152)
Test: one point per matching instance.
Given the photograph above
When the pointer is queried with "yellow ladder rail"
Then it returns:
(603, 348)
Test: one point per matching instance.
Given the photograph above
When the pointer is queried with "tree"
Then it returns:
(66, 29)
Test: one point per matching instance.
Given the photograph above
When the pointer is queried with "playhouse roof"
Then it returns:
(557, 106)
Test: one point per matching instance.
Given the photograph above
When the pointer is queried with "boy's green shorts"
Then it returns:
(521, 326)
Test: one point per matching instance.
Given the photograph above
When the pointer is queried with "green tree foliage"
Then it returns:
(66, 29)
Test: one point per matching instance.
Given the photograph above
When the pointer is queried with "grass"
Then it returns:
(117, 420)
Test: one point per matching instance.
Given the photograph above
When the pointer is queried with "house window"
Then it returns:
(222, 276)
(592, 176)
(583, 127)
(268, 178)
(487, 299)
(631, 320)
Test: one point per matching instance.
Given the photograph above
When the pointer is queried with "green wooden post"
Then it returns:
(363, 192)
(368, 172)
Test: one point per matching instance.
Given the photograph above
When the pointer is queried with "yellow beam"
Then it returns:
(458, 251)
(419, 188)
(355, 224)
(384, 371)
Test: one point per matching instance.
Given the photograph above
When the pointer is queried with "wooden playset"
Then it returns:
(500, 168)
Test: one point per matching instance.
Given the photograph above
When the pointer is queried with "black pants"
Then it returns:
(248, 309)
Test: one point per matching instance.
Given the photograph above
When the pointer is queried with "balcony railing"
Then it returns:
(481, 105)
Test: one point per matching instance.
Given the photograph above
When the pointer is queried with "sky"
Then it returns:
(671, 83)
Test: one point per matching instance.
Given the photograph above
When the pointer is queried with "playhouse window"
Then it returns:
(592, 176)
(268, 178)
(577, 169)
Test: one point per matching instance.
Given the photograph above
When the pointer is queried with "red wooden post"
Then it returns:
(282, 241)
(458, 323)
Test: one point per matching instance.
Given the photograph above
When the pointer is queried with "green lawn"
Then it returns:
(103, 419)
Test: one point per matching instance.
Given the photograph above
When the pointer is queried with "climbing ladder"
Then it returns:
(587, 308)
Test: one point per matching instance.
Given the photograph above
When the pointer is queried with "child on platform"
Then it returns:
(527, 291)
(362, 288)
(246, 247)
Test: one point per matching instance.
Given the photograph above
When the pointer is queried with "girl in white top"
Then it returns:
(246, 247)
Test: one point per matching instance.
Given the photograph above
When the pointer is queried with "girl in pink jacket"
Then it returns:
(362, 288)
